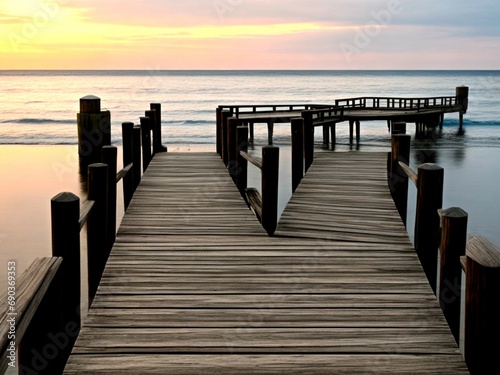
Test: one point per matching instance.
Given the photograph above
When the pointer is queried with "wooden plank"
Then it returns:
(30, 289)
(194, 285)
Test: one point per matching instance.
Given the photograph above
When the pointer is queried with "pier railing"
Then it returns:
(47, 299)
(444, 251)
(389, 103)
(264, 204)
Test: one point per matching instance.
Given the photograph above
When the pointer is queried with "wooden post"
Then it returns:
(453, 244)
(270, 178)
(146, 142)
(242, 163)
(482, 309)
(398, 184)
(224, 117)
(326, 136)
(270, 132)
(308, 139)
(151, 114)
(358, 131)
(333, 130)
(297, 151)
(427, 221)
(65, 216)
(94, 131)
(109, 156)
(128, 152)
(157, 142)
(351, 132)
(218, 137)
(136, 145)
(97, 252)
(251, 133)
(232, 146)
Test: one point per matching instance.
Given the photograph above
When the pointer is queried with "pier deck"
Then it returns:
(194, 284)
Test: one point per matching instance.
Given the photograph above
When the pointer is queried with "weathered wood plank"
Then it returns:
(194, 284)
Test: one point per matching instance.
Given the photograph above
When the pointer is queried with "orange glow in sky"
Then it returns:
(224, 34)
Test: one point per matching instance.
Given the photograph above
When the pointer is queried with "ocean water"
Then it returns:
(38, 132)
(39, 107)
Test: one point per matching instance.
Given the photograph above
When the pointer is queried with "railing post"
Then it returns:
(109, 156)
(242, 163)
(218, 137)
(97, 252)
(232, 146)
(224, 117)
(146, 142)
(482, 309)
(128, 151)
(326, 136)
(308, 139)
(65, 215)
(151, 114)
(94, 131)
(157, 145)
(297, 151)
(270, 178)
(427, 221)
(453, 244)
(398, 180)
(136, 145)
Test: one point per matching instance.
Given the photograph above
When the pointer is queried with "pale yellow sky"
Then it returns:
(246, 34)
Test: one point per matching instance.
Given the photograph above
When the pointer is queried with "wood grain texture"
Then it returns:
(194, 285)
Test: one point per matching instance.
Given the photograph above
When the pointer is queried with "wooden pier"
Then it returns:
(195, 285)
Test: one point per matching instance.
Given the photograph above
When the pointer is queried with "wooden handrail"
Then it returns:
(123, 172)
(412, 175)
(30, 289)
(252, 159)
(85, 212)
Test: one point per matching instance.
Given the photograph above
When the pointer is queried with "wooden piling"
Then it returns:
(232, 146)
(224, 117)
(136, 145)
(358, 131)
(400, 152)
(157, 131)
(146, 142)
(297, 125)
(128, 151)
(251, 133)
(109, 157)
(97, 253)
(452, 247)
(326, 136)
(482, 309)
(351, 132)
(94, 131)
(270, 132)
(218, 136)
(270, 178)
(308, 139)
(333, 130)
(427, 222)
(242, 163)
(65, 216)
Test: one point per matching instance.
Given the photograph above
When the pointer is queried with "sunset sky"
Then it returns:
(249, 34)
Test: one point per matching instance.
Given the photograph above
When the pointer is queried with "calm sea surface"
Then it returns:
(38, 108)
